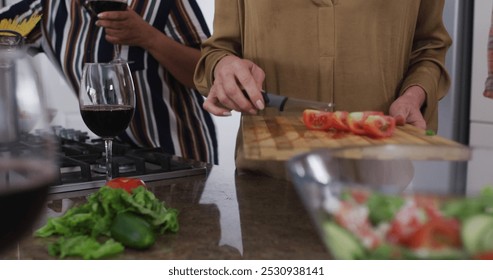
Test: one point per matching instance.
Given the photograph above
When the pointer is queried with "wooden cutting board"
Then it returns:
(284, 136)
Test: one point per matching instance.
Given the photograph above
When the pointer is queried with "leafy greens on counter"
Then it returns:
(85, 230)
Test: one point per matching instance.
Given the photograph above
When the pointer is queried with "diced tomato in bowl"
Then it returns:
(361, 214)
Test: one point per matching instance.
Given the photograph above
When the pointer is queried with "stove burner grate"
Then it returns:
(82, 162)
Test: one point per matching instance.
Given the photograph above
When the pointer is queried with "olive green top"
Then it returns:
(358, 54)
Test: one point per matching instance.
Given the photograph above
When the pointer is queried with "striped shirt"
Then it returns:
(167, 113)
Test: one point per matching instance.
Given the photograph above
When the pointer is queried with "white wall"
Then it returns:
(207, 7)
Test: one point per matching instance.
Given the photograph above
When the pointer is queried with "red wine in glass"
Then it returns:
(107, 120)
(107, 102)
(28, 149)
(99, 6)
(23, 190)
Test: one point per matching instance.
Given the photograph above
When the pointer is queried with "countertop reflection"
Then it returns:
(221, 216)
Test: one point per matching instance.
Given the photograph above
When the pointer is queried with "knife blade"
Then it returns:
(283, 103)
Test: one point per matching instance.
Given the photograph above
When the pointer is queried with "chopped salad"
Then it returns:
(362, 224)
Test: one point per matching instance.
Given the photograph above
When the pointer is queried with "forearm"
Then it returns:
(179, 60)
(427, 61)
(226, 40)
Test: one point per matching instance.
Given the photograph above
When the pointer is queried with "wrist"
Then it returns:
(417, 94)
(151, 39)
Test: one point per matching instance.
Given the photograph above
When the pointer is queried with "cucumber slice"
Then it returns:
(487, 240)
(477, 233)
(342, 244)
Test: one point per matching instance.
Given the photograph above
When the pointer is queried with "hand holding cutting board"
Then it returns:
(405, 109)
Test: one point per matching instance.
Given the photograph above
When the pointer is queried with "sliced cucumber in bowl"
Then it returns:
(477, 233)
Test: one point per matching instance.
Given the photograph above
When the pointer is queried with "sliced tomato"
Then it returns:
(436, 233)
(431, 205)
(419, 225)
(378, 126)
(317, 120)
(356, 121)
(339, 121)
(125, 183)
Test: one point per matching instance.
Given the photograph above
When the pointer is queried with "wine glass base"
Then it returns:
(123, 167)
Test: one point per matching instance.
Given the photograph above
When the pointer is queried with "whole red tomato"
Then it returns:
(125, 183)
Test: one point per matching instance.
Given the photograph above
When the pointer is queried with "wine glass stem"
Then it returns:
(117, 52)
(108, 146)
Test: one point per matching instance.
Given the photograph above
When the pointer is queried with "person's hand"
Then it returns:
(230, 76)
(406, 108)
(126, 28)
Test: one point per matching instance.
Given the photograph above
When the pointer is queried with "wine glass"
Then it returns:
(107, 102)
(98, 6)
(28, 161)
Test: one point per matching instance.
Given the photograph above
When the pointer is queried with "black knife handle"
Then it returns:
(274, 101)
(265, 97)
(271, 100)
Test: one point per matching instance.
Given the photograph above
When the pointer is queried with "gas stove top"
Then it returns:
(82, 164)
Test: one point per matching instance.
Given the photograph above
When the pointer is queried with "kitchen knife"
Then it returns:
(283, 103)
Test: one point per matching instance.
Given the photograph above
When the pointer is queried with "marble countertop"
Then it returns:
(222, 216)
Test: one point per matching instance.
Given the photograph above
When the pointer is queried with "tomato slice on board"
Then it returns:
(317, 120)
(378, 126)
(339, 121)
(356, 121)
(125, 183)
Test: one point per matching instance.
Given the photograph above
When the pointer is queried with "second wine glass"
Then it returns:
(98, 6)
(107, 102)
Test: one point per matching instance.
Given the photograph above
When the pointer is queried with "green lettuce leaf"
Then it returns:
(93, 220)
(383, 207)
(85, 247)
(470, 206)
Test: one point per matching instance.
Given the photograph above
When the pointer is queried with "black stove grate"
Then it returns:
(82, 163)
